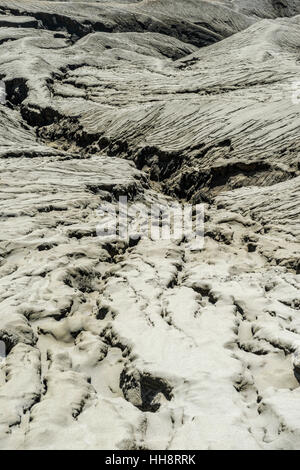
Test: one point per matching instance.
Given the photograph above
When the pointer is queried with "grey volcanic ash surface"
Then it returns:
(145, 344)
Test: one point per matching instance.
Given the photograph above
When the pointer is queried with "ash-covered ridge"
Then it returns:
(144, 344)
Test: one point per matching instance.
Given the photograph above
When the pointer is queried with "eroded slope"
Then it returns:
(142, 343)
